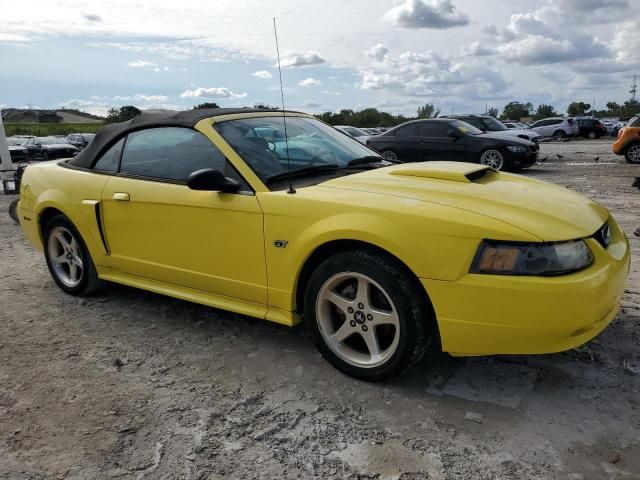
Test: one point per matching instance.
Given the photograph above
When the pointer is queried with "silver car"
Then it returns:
(559, 127)
(354, 132)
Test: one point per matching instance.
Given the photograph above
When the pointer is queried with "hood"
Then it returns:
(510, 138)
(16, 148)
(515, 132)
(547, 211)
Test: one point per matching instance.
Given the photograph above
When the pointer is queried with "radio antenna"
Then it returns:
(284, 117)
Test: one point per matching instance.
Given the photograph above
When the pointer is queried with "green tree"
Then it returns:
(264, 106)
(206, 105)
(428, 110)
(369, 117)
(516, 110)
(613, 108)
(544, 111)
(578, 108)
(493, 111)
(122, 114)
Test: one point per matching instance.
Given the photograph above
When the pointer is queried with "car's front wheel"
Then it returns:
(632, 154)
(68, 258)
(367, 315)
(390, 155)
(559, 134)
(493, 158)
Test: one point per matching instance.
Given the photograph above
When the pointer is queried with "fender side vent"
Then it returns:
(100, 229)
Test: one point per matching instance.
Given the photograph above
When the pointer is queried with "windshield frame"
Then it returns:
(345, 147)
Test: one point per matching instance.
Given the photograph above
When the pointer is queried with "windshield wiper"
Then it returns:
(365, 160)
(301, 171)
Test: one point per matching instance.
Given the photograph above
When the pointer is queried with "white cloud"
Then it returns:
(377, 52)
(426, 14)
(329, 92)
(211, 92)
(476, 49)
(539, 50)
(311, 104)
(263, 74)
(141, 64)
(295, 60)
(8, 37)
(309, 82)
(141, 97)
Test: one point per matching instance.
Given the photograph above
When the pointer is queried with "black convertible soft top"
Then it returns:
(110, 134)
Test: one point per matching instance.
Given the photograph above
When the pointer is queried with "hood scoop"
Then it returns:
(452, 171)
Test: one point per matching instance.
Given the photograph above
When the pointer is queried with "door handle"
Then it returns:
(121, 197)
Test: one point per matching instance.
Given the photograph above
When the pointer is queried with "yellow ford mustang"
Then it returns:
(226, 208)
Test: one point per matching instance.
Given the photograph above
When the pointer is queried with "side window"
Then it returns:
(433, 129)
(408, 131)
(555, 122)
(108, 162)
(170, 153)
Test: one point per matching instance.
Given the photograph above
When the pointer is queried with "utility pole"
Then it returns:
(634, 88)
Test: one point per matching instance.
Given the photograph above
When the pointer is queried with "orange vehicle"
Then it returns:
(628, 141)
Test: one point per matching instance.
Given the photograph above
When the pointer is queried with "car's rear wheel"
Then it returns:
(366, 314)
(390, 155)
(632, 154)
(68, 258)
(494, 159)
(592, 135)
(559, 134)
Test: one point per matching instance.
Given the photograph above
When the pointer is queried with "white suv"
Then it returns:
(558, 127)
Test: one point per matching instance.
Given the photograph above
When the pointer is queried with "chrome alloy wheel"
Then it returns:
(389, 155)
(66, 256)
(492, 158)
(633, 153)
(357, 319)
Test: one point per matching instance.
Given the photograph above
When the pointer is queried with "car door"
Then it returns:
(156, 227)
(406, 143)
(436, 144)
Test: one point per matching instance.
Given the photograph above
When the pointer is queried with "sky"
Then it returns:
(460, 55)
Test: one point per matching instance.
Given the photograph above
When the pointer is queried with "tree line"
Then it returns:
(372, 117)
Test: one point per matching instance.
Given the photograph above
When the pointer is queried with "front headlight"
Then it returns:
(531, 258)
(517, 148)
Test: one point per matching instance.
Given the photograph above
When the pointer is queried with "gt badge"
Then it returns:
(280, 244)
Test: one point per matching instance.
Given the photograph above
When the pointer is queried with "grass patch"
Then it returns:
(46, 129)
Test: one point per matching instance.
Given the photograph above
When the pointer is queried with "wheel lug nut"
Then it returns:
(352, 323)
(361, 306)
(364, 328)
(350, 310)
(369, 317)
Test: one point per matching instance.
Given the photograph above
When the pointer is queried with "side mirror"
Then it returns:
(211, 180)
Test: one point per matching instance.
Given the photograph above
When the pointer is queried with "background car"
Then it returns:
(628, 141)
(487, 123)
(354, 132)
(590, 128)
(46, 148)
(17, 152)
(80, 140)
(453, 139)
(559, 127)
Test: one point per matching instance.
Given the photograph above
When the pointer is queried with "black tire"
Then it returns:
(390, 155)
(592, 135)
(631, 154)
(410, 303)
(89, 281)
(13, 210)
(559, 134)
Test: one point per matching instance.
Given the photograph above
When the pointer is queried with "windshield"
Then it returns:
(261, 144)
(355, 132)
(50, 140)
(466, 128)
(492, 125)
(12, 142)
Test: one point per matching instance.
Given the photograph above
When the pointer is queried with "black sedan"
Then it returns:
(45, 148)
(80, 140)
(17, 152)
(450, 139)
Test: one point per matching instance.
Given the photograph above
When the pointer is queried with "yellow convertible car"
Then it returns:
(229, 209)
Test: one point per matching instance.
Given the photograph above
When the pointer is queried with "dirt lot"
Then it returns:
(133, 385)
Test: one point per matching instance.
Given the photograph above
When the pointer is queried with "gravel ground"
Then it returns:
(131, 385)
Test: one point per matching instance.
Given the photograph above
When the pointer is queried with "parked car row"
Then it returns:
(23, 148)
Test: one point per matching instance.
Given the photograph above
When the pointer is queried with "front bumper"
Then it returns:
(494, 314)
(523, 159)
